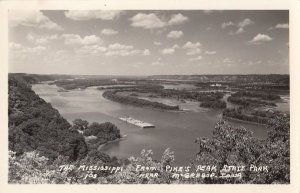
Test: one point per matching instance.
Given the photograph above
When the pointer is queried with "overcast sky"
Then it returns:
(149, 42)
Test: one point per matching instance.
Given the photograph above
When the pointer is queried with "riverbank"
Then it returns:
(113, 141)
(242, 121)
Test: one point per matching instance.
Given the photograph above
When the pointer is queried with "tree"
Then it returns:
(80, 124)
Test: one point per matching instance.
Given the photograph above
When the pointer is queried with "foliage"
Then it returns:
(239, 114)
(237, 146)
(214, 104)
(102, 133)
(112, 95)
(261, 95)
(247, 102)
(35, 125)
(80, 124)
(31, 168)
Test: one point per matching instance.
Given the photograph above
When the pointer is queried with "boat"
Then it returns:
(136, 122)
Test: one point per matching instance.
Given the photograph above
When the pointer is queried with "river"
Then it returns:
(174, 130)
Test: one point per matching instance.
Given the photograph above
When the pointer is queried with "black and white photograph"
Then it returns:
(152, 96)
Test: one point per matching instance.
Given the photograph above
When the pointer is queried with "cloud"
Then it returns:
(118, 46)
(245, 23)
(175, 46)
(282, 26)
(148, 21)
(260, 38)
(117, 49)
(192, 48)
(109, 32)
(168, 51)
(196, 58)
(18, 50)
(157, 43)
(227, 24)
(238, 31)
(240, 27)
(152, 21)
(177, 19)
(74, 39)
(210, 52)
(175, 34)
(146, 52)
(90, 50)
(133, 52)
(190, 45)
(41, 39)
(158, 62)
(31, 18)
(83, 15)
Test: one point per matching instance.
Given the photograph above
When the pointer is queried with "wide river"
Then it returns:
(173, 130)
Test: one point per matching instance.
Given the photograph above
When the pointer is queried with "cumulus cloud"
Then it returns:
(210, 52)
(148, 21)
(19, 50)
(152, 21)
(227, 24)
(238, 31)
(192, 48)
(117, 49)
(170, 50)
(282, 26)
(90, 50)
(190, 45)
(31, 18)
(260, 38)
(118, 46)
(157, 43)
(245, 23)
(109, 32)
(41, 39)
(133, 52)
(146, 52)
(175, 46)
(74, 39)
(174, 34)
(82, 15)
(167, 51)
(158, 62)
(177, 19)
(238, 27)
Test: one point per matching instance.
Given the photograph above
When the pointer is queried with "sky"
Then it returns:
(149, 42)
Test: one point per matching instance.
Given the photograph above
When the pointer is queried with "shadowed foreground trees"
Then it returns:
(237, 146)
(228, 146)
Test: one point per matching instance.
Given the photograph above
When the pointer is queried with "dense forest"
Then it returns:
(34, 126)
(41, 141)
(112, 95)
(260, 95)
(249, 102)
(217, 104)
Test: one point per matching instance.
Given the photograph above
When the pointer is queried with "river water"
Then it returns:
(174, 130)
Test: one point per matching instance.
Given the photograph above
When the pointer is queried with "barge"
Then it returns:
(136, 122)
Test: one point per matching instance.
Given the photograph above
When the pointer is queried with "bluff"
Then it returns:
(35, 125)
